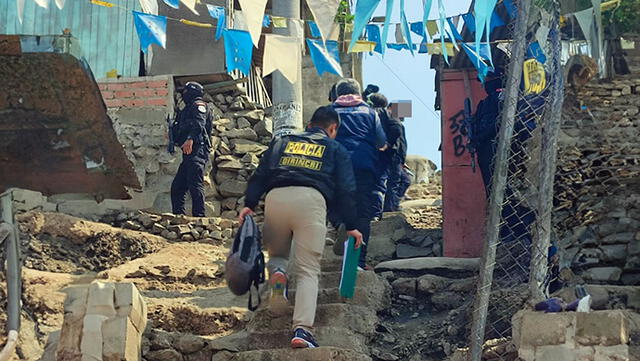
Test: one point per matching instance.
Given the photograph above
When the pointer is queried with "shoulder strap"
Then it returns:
(257, 278)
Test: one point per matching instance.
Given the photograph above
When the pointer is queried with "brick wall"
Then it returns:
(139, 92)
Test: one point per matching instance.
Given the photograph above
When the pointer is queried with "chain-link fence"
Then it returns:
(518, 263)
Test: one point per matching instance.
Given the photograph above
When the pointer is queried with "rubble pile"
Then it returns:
(56, 242)
(597, 193)
(176, 228)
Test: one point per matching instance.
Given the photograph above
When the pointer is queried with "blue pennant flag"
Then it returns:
(425, 15)
(266, 21)
(496, 20)
(400, 46)
(478, 59)
(238, 48)
(535, 51)
(424, 49)
(364, 10)
(385, 29)
(173, 3)
(218, 13)
(405, 27)
(484, 10)
(511, 10)
(418, 28)
(469, 21)
(151, 29)
(325, 59)
(315, 32)
(454, 31)
(373, 34)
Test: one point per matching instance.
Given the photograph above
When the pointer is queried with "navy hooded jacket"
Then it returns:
(360, 132)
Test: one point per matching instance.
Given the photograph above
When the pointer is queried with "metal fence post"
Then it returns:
(547, 167)
(499, 181)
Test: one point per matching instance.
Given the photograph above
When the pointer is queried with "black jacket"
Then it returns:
(309, 159)
(394, 129)
(194, 122)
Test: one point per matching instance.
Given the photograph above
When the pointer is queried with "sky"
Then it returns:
(403, 77)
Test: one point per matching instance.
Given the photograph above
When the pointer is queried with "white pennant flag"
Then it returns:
(239, 23)
(191, 4)
(253, 11)
(274, 48)
(20, 8)
(324, 11)
(42, 3)
(585, 19)
(60, 4)
(148, 6)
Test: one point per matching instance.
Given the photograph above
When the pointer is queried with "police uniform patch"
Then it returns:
(202, 109)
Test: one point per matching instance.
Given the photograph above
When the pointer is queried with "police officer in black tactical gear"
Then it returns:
(192, 133)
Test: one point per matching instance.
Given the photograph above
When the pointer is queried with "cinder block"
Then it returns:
(121, 340)
(130, 304)
(91, 344)
(585, 353)
(101, 299)
(532, 329)
(606, 328)
(527, 354)
(612, 353)
(75, 303)
(555, 353)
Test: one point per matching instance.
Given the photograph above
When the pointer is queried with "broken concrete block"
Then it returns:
(528, 333)
(606, 328)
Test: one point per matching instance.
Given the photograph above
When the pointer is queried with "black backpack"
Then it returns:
(245, 264)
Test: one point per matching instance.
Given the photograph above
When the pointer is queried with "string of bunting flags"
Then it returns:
(324, 44)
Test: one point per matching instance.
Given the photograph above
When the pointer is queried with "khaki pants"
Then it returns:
(297, 216)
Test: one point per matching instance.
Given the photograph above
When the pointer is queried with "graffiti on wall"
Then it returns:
(457, 130)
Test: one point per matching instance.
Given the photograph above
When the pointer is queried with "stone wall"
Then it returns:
(597, 193)
(139, 108)
(576, 336)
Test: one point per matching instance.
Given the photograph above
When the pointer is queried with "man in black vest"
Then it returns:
(302, 175)
(192, 130)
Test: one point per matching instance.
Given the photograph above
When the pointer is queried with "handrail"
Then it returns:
(13, 273)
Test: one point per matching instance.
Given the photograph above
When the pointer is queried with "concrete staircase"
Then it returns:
(343, 327)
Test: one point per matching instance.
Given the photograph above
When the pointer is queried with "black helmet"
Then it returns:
(192, 90)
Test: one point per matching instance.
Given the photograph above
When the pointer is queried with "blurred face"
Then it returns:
(332, 131)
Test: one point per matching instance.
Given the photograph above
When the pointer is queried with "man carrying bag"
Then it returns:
(301, 175)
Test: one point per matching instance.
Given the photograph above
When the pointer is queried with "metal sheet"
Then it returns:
(55, 135)
(107, 35)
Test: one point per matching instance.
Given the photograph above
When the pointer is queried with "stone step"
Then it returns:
(331, 279)
(360, 319)
(314, 354)
(340, 337)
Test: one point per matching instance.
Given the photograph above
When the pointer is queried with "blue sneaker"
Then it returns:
(279, 301)
(303, 339)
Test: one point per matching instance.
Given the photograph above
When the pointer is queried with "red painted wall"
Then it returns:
(464, 201)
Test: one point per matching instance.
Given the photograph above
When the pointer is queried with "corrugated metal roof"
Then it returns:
(107, 35)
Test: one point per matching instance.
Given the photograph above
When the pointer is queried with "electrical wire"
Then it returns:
(407, 87)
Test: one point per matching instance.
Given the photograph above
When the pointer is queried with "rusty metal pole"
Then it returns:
(13, 273)
(498, 185)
